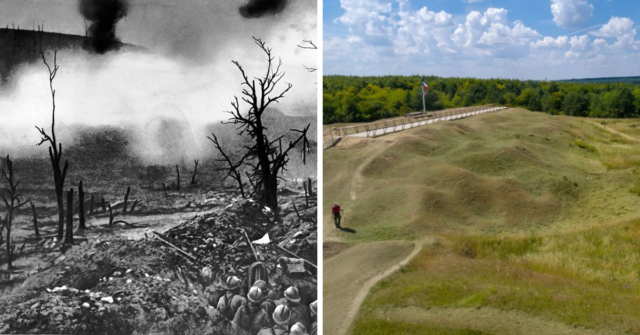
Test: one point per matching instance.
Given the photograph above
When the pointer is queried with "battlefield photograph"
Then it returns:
(481, 167)
(158, 167)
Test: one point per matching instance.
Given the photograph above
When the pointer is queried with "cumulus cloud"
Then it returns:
(386, 37)
(571, 14)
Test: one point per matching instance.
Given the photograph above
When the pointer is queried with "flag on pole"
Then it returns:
(424, 85)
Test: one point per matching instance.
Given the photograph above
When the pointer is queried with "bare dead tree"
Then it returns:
(195, 172)
(12, 201)
(266, 158)
(55, 148)
(232, 169)
(308, 44)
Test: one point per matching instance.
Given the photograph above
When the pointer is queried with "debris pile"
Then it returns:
(168, 282)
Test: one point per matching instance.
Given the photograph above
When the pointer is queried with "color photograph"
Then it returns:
(481, 167)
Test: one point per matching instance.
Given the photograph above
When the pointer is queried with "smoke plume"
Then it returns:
(258, 8)
(103, 15)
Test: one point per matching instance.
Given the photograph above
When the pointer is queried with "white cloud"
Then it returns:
(571, 14)
(386, 37)
(616, 27)
(472, 1)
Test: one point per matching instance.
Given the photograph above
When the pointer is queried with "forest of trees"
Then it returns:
(363, 99)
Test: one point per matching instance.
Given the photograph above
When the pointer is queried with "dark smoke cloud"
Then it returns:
(258, 8)
(103, 15)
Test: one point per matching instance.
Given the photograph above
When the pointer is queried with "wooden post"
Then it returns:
(178, 178)
(104, 205)
(126, 199)
(133, 206)
(310, 183)
(306, 194)
(110, 215)
(195, 172)
(35, 218)
(69, 235)
(81, 206)
(91, 205)
(296, 209)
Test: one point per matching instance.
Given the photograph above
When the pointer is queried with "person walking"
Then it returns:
(335, 214)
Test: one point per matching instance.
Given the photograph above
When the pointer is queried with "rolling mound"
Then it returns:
(514, 170)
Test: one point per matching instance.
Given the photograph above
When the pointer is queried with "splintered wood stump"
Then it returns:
(126, 199)
(35, 218)
(110, 215)
(178, 178)
(69, 234)
(104, 205)
(310, 183)
(81, 206)
(91, 206)
(306, 194)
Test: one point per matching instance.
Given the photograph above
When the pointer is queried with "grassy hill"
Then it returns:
(534, 219)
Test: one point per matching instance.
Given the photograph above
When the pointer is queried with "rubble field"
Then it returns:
(166, 282)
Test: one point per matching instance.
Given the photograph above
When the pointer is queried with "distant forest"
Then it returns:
(363, 99)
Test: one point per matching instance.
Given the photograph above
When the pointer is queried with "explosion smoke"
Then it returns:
(103, 15)
(258, 8)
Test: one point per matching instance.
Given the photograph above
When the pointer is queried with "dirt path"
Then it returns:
(352, 273)
(490, 320)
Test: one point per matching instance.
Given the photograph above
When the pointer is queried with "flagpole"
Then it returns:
(424, 108)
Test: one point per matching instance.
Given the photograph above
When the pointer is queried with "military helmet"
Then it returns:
(281, 315)
(255, 294)
(292, 294)
(298, 329)
(233, 283)
(314, 307)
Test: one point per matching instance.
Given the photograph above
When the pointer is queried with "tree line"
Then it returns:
(364, 99)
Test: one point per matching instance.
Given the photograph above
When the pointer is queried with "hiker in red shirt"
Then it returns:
(335, 214)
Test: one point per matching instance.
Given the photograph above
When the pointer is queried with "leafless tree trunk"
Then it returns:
(195, 172)
(266, 158)
(55, 148)
(81, 224)
(12, 202)
(69, 234)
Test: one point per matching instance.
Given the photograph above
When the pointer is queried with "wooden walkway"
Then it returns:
(331, 136)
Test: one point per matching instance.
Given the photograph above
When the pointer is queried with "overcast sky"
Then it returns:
(187, 64)
(533, 39)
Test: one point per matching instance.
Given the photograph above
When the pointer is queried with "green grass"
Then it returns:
(511, 171)
(382, 327)
(538, 215)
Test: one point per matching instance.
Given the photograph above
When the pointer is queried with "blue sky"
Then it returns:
(532, 39)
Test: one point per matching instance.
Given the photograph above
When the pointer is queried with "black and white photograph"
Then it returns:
(158, 166)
